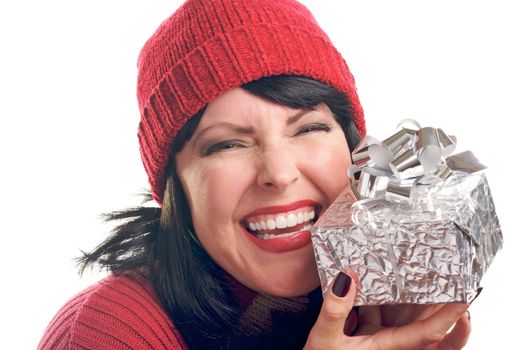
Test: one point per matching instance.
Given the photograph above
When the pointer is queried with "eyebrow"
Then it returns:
(249, 130)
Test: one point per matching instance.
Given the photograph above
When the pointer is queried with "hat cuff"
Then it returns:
(227, 61)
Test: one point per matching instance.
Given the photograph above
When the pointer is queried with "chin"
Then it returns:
(293, 288)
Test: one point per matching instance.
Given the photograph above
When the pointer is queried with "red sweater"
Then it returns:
(117, 313)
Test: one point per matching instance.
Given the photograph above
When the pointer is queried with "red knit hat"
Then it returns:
(208, 47)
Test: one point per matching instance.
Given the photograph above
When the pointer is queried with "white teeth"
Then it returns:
(300, 218)
(267, 236)
(292, 220)
(280, 222)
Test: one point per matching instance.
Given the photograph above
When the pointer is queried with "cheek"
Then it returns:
(214, 190)
(327, 166)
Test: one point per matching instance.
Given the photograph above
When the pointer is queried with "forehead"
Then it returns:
(239, 105)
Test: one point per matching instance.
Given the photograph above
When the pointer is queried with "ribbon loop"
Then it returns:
(390, 170)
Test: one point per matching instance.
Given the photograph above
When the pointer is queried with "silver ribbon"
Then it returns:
(413, 156)
(419, 227)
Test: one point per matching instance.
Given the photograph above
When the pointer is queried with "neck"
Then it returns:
(271, 322)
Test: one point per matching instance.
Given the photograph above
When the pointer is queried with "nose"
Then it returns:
(278, 169)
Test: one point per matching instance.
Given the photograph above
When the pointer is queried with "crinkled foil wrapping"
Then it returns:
(433, 250)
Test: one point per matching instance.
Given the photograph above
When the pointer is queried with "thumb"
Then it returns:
(337, 304)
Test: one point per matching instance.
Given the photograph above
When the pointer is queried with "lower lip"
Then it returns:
(282, 245)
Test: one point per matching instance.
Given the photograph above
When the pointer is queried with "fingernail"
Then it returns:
(469, 315)
(341, 284)
(479, 290)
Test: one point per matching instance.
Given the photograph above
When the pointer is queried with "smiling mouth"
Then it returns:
(282, 225)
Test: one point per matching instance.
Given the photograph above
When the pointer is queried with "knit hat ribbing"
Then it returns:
(208, 47)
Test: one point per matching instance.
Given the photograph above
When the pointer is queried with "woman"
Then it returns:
(248, 116)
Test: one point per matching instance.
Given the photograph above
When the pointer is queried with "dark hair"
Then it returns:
(161, 243)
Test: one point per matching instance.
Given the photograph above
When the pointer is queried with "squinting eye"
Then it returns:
(314, 127)
(220, 147)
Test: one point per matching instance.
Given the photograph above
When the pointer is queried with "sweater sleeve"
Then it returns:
(120, 312)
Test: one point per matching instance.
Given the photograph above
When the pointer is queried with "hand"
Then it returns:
(402, 314)
(402, 327)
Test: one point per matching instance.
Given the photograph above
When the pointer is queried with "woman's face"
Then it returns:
(255, 174)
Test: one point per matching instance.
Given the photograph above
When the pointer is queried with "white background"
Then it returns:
(69, 117)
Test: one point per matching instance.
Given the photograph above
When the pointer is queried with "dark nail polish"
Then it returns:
(479, 290)
(341, 284)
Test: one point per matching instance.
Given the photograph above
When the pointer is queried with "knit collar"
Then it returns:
(273, 322)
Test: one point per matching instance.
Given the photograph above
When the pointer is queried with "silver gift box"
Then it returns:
(432, 249)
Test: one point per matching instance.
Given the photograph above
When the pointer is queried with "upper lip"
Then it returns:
(284, 208)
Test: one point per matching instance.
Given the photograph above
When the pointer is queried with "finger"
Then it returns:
(459, 335)
(369, 320)
(370, 314)
(402, 314)
(351, 322)
(337, 304)
(398, 315)
(421, 333)
(429, 310)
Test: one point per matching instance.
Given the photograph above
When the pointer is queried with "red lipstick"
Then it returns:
(296, 241)
(283, 208)
(282, 245)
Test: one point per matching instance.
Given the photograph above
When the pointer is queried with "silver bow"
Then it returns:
(393, 168)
